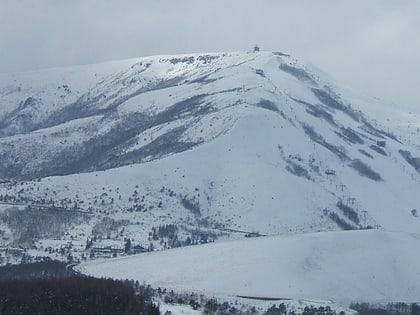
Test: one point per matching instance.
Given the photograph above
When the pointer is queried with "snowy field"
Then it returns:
(371, 265)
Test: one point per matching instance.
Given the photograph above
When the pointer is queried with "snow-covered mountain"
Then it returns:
(174, 150)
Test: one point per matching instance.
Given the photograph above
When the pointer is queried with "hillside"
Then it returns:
(176, 150)
(369, 266)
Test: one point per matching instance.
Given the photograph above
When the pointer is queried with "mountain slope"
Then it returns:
(218, 145)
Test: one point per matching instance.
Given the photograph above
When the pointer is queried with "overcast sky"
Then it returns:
(371, 45)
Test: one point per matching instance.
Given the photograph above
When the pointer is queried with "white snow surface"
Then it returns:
(371, 266)
(252, 165)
